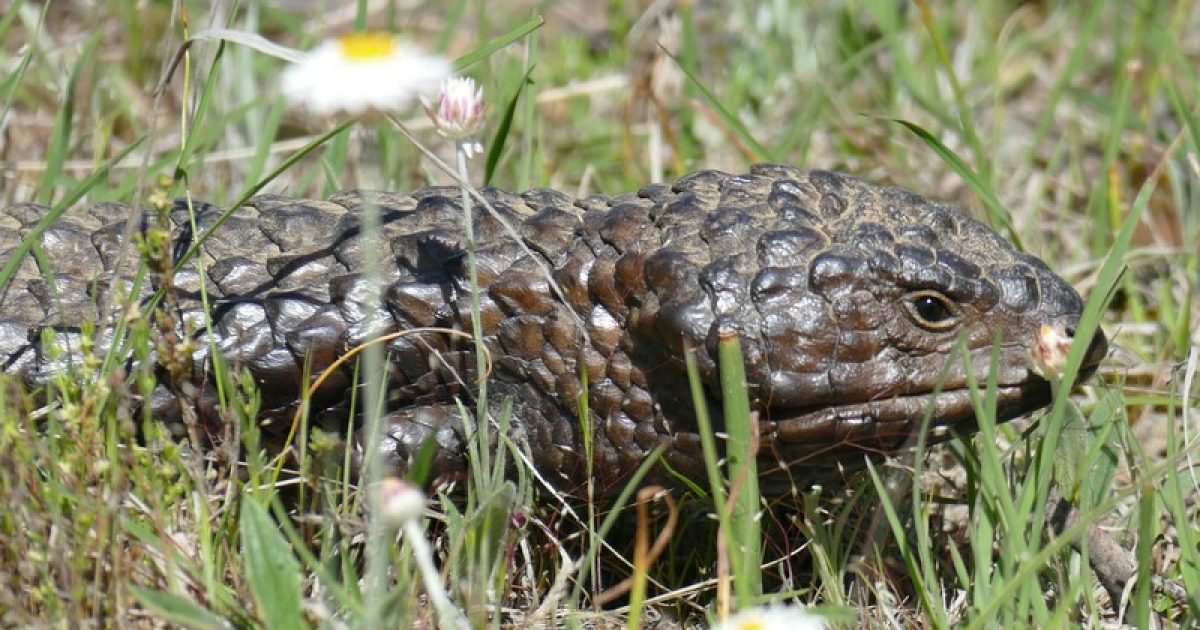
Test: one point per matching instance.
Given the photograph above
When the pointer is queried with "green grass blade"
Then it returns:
(1147, 535)
(1110, 274)
(262, 152)
(272, 572)
(485, 51)
(18, 255)
(60, 138)
(1079, 54)
(9, 84)
(527, 113)
(910, 556)
(454, 18)
(760, 152)
(965, 118)
(200, 113)
(746, 536)
(496, 147)
(1177, 496)
(708, 441)
(997, 214)
(177, 610)
(1029, 566)
(257, 186)
(635, 482)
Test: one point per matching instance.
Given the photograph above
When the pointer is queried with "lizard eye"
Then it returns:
(931, 310)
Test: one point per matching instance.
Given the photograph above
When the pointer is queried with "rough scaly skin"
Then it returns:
(826, 278)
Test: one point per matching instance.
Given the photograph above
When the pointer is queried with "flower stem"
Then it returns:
(374, 381)
(448, 616)
(481, 415)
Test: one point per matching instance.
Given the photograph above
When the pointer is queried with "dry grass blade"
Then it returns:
(644, 554)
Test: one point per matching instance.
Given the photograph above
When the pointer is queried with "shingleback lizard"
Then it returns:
(848, 298)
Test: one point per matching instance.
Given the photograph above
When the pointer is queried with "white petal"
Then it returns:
(327, 82)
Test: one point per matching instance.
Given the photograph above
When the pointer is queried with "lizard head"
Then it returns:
(863, 310)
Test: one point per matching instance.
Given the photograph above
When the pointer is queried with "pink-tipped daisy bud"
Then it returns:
(363, 73)
(399, 501)
(459, 110)
(1049, 353)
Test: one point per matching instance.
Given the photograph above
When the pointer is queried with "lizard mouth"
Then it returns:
(833, 434)
(844, 436)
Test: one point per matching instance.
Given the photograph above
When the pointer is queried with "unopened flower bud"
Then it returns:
(459, 111)
(399, 501)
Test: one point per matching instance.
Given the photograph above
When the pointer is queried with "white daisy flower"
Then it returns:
(773, 618)
(361, 73)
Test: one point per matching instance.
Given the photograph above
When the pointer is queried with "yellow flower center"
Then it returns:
(368, 46)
